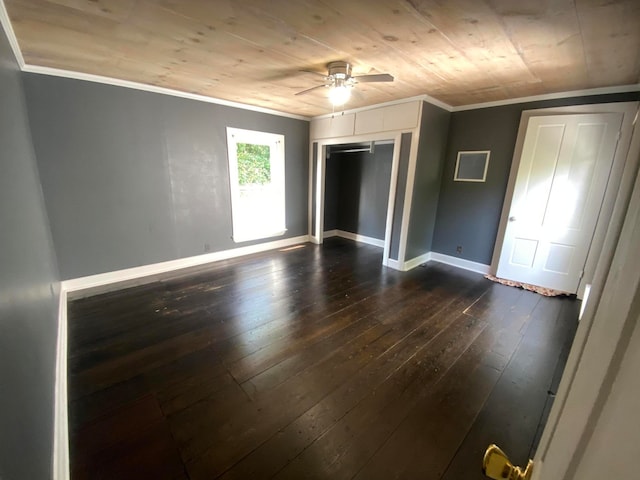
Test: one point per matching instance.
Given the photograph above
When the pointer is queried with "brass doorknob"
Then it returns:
(496, 465)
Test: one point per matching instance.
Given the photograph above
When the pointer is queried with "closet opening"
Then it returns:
(355, 190)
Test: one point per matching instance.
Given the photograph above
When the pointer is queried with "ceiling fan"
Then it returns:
(340, 81)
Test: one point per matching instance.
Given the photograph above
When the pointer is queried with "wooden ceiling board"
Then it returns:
(548, 39)
(118, 10)
(611, 32)
(252, 51)
(478, 35)
(408, 38)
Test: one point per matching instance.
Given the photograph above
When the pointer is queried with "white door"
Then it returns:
(561, 180)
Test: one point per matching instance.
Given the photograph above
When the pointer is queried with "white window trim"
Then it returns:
(456, 178)
(276, 145)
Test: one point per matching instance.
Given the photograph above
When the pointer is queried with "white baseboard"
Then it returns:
(461, 263)
(419, 260)
(105, 282)
(395, 264)
(355, 237)
(60, 465)
(409, 264)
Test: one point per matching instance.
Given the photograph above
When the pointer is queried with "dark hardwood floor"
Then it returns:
(311, 362)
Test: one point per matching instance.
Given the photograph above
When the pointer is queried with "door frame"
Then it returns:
(618, 189)
(602, 338)
(319, 187)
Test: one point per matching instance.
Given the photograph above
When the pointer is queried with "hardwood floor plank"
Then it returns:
(137, 360)
(173, 303)
(511, 415)
(327, 375)
(395, 366)
(150, 453)
(359, 433)
(315, 362)
(107, 432)
(167, 319)
(200, 363)
(282, 360)
(436, 424)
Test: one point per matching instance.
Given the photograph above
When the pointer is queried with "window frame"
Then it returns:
(461, 157)
(240, 231)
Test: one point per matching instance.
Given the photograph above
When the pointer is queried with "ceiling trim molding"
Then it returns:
(438, 103)
(56, 72)
(5, 21)
(423, 97)
(551, 96)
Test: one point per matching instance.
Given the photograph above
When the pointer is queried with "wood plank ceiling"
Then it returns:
(252, 51)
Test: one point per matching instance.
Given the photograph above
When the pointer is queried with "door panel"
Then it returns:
(543, 159)
(561, 180)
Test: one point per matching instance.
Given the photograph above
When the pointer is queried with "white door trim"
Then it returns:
(408, 192)
(599, 346)
(321, 159)
(619, 186)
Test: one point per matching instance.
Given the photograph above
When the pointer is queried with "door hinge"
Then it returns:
(581, 275)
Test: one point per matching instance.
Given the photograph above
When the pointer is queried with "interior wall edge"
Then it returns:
(476, 267)
(431, 156)
(417, 261)
(29, 285)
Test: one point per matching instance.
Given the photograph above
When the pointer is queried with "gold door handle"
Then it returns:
(496, 465)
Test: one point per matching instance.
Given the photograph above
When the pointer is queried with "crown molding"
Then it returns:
(56, 72)
(423, 97)
(551, 96)
(13, 41)
(498, 103)
(5, 21)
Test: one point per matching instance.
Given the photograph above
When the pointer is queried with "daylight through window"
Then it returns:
(256, 174)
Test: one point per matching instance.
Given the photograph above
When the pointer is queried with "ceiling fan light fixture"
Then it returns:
(339, 81)
(340, 92)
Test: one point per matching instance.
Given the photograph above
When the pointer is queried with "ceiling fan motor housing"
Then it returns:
(339, 70)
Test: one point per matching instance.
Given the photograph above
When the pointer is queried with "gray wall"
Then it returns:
(132, 178)
(28, 293)
(434, 129)
(469, 213)
(357, 191)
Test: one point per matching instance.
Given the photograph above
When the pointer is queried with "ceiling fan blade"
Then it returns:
(323, 75)
(378, 77)
(310, 89)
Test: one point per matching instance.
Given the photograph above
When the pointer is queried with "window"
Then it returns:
(256, 173)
